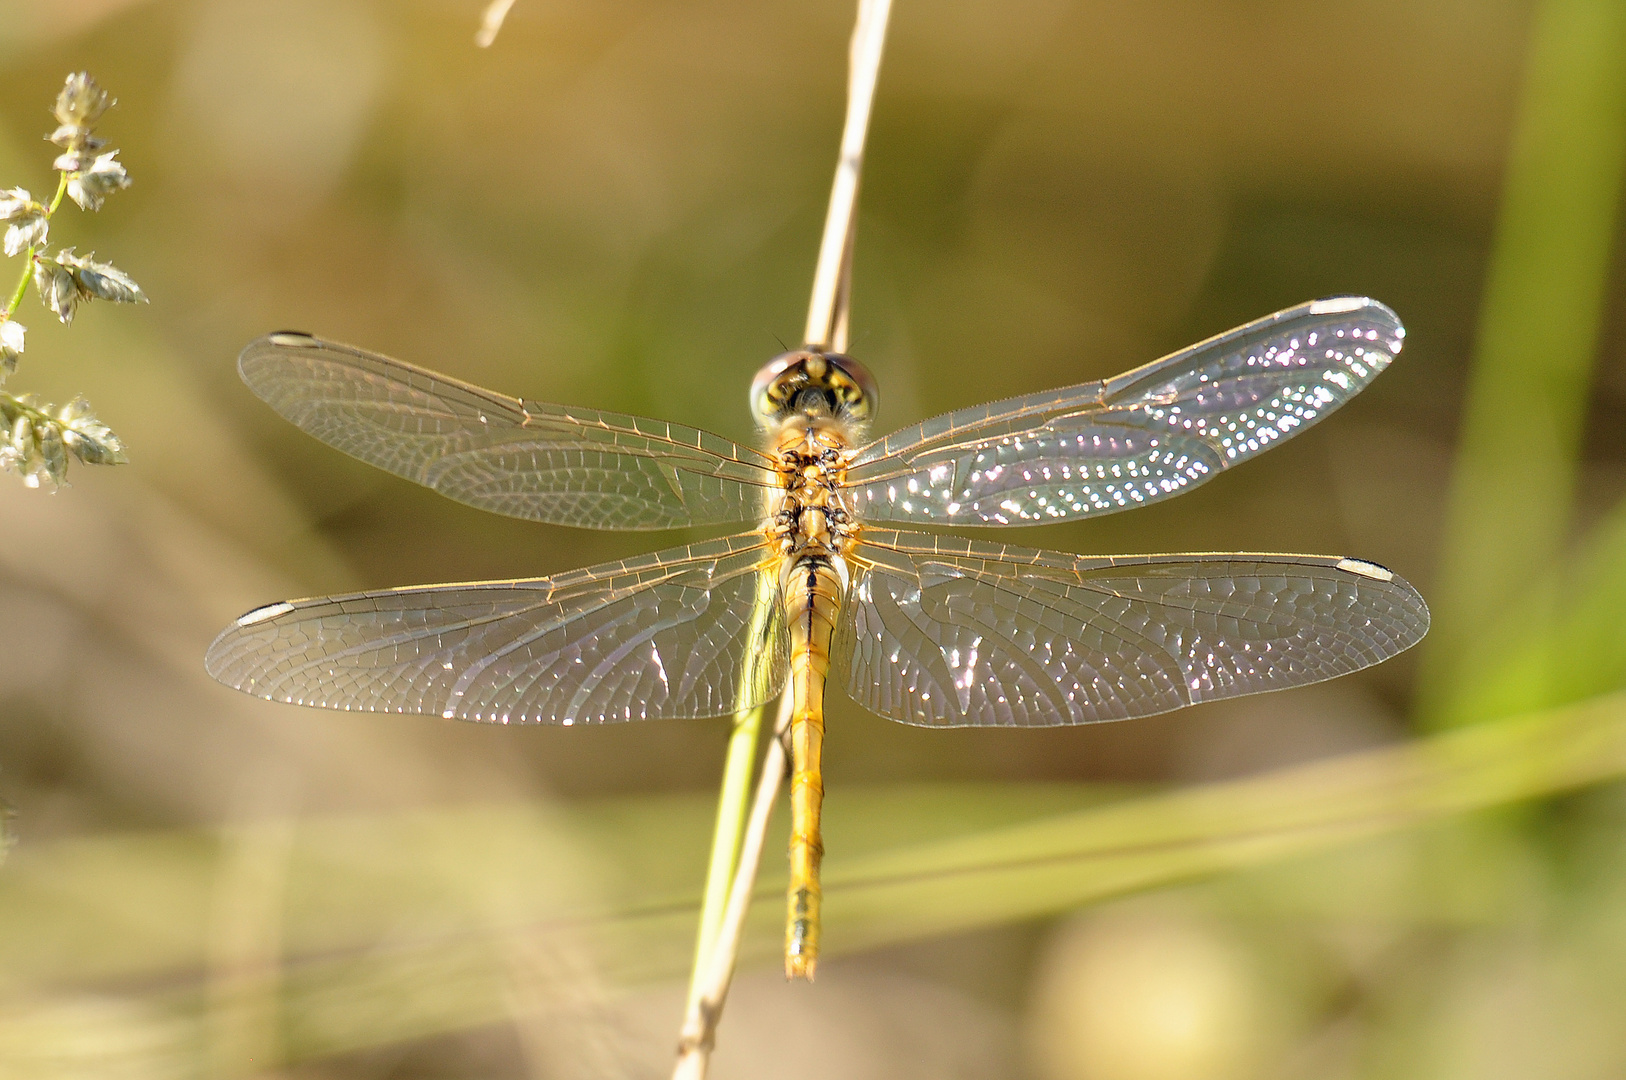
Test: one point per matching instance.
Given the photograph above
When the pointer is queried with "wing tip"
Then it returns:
(1422, 618)
(1375, 309)
(270, 345)
(218, 659)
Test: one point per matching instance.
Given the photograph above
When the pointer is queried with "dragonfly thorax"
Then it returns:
(811, 383)
(810, 514)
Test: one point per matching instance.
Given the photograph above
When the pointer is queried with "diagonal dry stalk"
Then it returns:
(827, 326)
(715, 971)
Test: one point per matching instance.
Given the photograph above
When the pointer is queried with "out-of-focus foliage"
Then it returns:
(1518, 462)
(399, 926)
(617, 206)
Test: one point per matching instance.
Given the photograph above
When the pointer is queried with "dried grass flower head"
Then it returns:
(28, 223)
(79, 105)
(38, 439)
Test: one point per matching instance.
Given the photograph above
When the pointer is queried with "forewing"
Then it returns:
(1143, 436)
(520, 458)
(688, 632)
(948, 632)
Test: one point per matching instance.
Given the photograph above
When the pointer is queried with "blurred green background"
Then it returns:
(1419, 871)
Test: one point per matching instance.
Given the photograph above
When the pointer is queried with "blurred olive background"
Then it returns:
(619, 205)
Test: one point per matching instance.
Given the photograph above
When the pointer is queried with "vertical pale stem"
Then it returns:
(827, 324)
(835, 251)
(734, 799)
(726, 838)
(715, 971)
(838, 333)
(1518, 455)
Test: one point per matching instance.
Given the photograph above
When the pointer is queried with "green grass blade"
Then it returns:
(1577, 652)
(1513, 492)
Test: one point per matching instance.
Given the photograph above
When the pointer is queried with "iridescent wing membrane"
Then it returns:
(520, 458)
(947, 632)
(1145, 435)
(687, 632)
(938, 631)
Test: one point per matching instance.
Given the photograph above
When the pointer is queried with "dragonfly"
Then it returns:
(829, 581)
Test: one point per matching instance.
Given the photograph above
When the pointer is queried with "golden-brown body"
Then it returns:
(814, 533)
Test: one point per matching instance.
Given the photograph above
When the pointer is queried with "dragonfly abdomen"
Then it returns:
(813, 585)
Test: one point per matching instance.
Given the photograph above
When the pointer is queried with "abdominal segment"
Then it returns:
(813, 586)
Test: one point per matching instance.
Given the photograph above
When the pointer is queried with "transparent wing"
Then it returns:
(948, 632)
(521, 458)
(688, 632)
(1143, 436)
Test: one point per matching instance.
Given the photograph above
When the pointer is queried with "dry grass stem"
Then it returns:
(706, 1007)
(491, 22)
(827, 327)
(826, 313)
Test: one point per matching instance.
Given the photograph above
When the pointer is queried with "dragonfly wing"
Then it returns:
(520, 458)
(948, 632)
(688, 632)
(1143, 436)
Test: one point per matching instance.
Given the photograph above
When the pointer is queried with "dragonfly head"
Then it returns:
(816, 383)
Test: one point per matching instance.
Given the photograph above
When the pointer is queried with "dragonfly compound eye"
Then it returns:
(807, 380)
